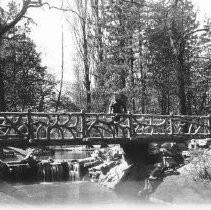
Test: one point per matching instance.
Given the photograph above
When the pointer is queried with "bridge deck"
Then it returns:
(94, 141)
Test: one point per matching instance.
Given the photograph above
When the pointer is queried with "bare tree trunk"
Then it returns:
(86, 69)
(62, 75)
(143, 80)
(164, 102)
(2, 92)
(180, 71)
(132, 80)
(2, 87)
(99, 35)
(122, 59)
(41, 103)
(178, 53)
(83, 44)
(181, 84)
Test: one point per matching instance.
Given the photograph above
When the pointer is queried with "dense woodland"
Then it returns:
(155, 53)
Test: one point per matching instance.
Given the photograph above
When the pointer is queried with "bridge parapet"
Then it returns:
(29, 128)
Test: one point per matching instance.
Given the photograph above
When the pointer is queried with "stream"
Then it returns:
(63, 192)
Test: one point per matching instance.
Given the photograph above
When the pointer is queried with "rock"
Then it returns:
(114, 176)
(186, 154)
(92, 163)
(87, 160)
(107, 166)
(168, 145)
(199, 143)
(181, 189)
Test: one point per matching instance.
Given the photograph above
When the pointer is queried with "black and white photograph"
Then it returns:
(105, 104)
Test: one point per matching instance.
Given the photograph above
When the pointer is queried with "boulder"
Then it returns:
(115, 175)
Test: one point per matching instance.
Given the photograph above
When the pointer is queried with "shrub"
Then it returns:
(201, 166)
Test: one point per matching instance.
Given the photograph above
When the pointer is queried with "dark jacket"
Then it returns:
(117, 107)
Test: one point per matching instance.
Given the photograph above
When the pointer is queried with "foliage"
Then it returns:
(154, 52)
(202, 169)
(23, 74)
(25, 81)
(150, 51)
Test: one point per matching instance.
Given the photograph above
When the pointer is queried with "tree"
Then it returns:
(78, 92)
(81, 31)
(116, 25)
(199, 88)
(8, 20)
(45, 93)
(174, 47)
(180, 31)
(26, 80)
(62, 74)
(27, 83)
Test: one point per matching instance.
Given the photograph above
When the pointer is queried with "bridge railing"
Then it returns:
(81, 128)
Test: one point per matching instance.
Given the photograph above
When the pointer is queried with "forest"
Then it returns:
(155, 53)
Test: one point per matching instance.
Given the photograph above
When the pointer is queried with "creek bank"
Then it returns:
(192, 184)
(139, 169)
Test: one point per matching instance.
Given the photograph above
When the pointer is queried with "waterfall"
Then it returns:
(45, 171)
(74, 171)
(58, 171)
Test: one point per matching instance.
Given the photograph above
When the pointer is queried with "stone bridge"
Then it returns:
(44, 129)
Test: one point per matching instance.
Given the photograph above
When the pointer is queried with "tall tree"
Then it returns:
(8, 20)
(180, 31)
(62, 74)
(24, 76)
(81, 31)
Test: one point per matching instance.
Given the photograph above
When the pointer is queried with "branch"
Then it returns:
(198, 30)
(62, 9)
(134, 2)
(203, 57)
(7, 27)
(172, 11)
(78, 43)
(26, 5)
(173, 7)
(30, 19)
(172, 42)
(31, 4)
(76, 35)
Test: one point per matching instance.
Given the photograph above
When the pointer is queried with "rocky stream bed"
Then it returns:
(171, 173)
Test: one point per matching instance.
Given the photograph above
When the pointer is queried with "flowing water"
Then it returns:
(62, 192)
(81, 192)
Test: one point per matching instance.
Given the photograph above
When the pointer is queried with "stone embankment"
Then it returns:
(176, 173)
(137, 175)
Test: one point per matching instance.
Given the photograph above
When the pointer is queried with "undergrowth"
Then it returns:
(201, 166)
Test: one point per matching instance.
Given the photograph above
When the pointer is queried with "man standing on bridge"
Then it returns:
(117, 106)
